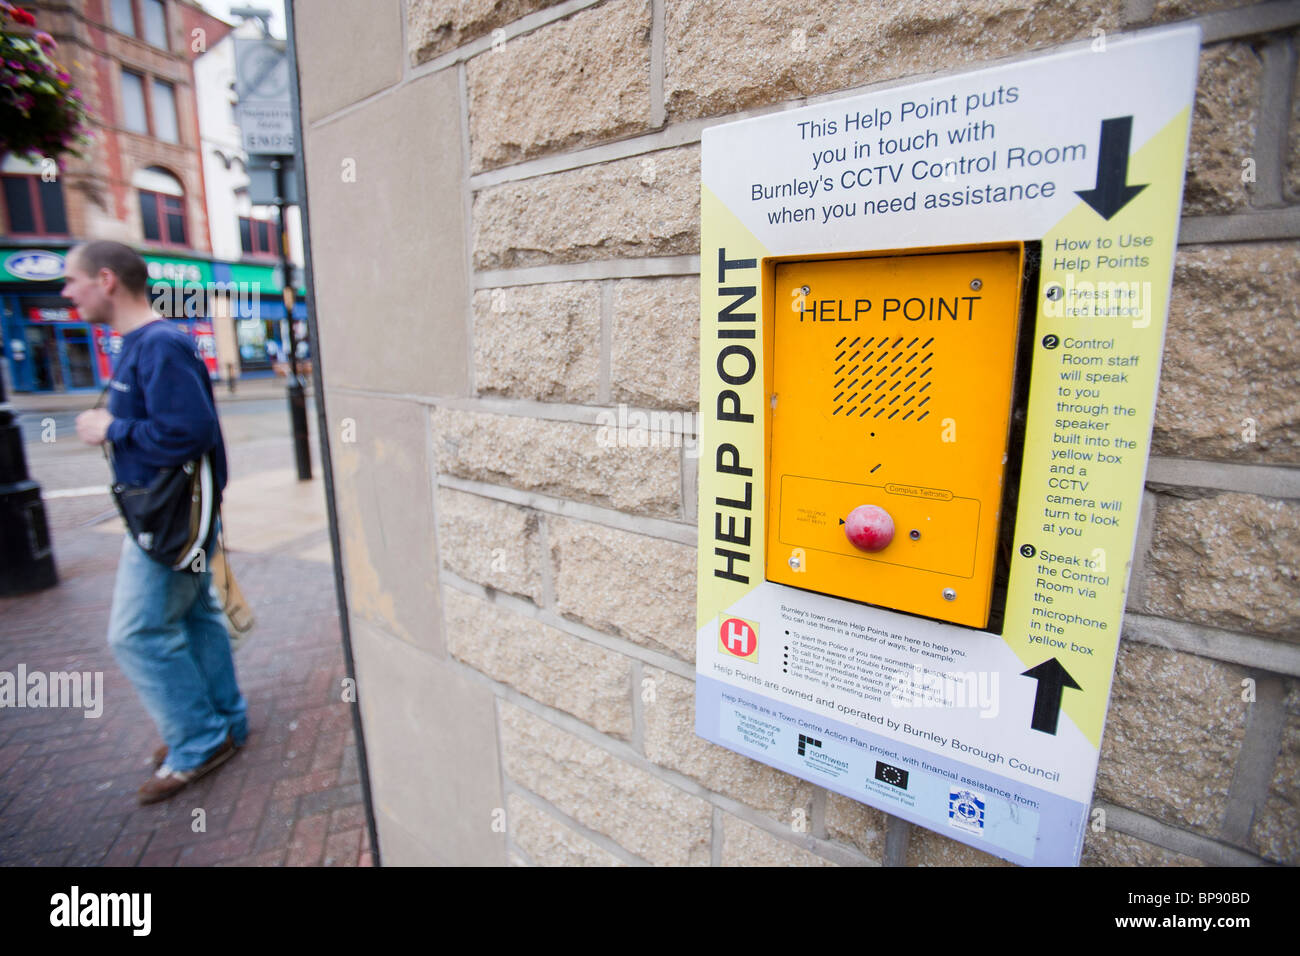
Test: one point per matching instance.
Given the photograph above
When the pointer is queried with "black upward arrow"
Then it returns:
(1112, 192)
(1052, 680)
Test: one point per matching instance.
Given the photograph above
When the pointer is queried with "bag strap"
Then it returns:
(106, 446)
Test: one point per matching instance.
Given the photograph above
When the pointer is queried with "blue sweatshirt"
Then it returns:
(162, 405)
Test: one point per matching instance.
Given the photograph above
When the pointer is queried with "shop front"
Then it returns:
(49, 347)
(256, 306)
(54, 350)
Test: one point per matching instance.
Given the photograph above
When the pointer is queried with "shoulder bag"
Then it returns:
(171, 518)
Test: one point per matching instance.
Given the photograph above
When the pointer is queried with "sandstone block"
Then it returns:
(629, 585)
(491, 542)
(548, 842)
(746, 845)
(857, 824)
(1224, 123)
(650, 818)
(1230, 382)
(783, 50)
(1112, 848)
(538, 342)
(1229, 561)
(1276, 831)
(655, 342)
(434, 27)
(553, 668)
(574, 83)
(641, 206)
(557, 458)
(1173, 732)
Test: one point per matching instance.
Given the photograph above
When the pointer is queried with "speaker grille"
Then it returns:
(883, 378)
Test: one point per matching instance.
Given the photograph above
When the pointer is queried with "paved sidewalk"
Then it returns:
(291, 796)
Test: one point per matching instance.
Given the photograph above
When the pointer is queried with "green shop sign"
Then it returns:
(31, 265)
(267, 277)
(178, 272)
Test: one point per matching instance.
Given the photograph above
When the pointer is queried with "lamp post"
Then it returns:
(297, 398)
(26, 554)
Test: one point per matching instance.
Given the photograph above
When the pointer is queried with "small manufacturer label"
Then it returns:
(915, 491)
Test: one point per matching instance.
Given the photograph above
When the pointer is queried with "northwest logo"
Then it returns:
(739, 638)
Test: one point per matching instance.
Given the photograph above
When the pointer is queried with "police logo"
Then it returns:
(966, 811)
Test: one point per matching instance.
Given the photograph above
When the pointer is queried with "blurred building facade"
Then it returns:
(144, 181)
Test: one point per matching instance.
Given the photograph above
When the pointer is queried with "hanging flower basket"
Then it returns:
(41, 112)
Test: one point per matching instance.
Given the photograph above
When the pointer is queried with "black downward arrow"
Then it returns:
(1052, 680)
(1113, 192)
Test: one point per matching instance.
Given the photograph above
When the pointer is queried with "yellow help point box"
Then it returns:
(892, 387)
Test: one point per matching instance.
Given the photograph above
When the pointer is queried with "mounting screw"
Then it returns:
(976, 284)
(805, 290)
(949, 594)
(914, 535)
(794, 563)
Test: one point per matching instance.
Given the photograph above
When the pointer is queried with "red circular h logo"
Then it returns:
(738, 637)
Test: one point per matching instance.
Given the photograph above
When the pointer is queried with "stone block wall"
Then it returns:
(504, 202)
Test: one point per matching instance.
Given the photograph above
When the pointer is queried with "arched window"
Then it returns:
(162, 206)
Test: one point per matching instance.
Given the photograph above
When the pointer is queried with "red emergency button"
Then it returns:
(869, 528)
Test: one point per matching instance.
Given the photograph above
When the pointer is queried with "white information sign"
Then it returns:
(262, 86)
(989, 736)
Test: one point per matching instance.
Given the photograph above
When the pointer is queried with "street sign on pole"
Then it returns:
(263, 183)
(262, 85)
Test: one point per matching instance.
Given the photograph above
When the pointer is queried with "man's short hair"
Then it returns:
(121, 260)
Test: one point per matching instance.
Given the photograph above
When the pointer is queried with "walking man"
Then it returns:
(167, 628)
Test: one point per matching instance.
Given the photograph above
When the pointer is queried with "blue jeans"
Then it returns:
(168, 633)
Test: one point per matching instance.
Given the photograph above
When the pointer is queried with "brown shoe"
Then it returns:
(166, 782)
(160, 755)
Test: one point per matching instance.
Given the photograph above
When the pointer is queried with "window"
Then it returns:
(164, 112)
(34, 207)
(152, 14)
(257, 236)
(134, 116)
(124, 17)
(162, 207)
(163, 218)
(158, 117)
(155, 22)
